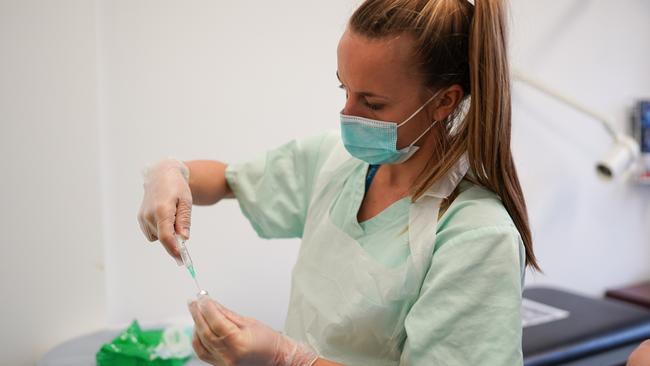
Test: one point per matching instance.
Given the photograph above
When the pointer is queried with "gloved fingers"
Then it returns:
(147, 220)
(199, 348)
(165, 233)
(238, 320)
(215, 318)
(211, 341)
(202, 352)
(183, 216)
(145, 227)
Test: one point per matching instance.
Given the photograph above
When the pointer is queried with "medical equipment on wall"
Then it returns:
(187, 262)
(624, 155)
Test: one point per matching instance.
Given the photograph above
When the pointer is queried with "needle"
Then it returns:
(187, 261)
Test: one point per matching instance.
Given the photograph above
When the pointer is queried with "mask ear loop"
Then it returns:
(419, 109)
(423, 133)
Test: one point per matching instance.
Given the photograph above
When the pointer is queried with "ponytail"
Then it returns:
(488, 120)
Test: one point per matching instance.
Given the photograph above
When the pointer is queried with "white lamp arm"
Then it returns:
(566, 100)
(624, 153)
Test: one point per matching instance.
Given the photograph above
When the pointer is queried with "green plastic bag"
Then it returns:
(137, 347)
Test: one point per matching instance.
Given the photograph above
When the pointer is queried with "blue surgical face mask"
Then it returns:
(375, 142)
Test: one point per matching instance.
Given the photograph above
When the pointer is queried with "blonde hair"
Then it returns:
(460, 43)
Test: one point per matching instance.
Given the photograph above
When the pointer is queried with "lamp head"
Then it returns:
(621, 158)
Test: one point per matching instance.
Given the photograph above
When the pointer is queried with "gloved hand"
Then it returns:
(222, 337)
(167, 204)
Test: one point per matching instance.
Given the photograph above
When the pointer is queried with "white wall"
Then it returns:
(52, 278)
(208, 80)
(92, 92)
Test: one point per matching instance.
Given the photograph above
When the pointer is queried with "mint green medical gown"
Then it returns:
(468, 308)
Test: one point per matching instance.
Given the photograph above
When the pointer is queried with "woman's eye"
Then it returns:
(374, 107)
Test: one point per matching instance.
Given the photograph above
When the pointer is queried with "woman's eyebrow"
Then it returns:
(363, 93)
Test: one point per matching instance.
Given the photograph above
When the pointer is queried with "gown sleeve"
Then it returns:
(468, 311)
(274, 190)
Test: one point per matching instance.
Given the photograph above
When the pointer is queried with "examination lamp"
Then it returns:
(624, 153)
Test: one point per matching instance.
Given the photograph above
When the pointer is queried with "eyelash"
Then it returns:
(374, 107)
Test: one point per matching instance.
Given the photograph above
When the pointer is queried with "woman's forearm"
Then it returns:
(323, 362)
(208, 181)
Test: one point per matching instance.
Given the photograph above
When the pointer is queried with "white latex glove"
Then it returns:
(167, 204)
(222, 337)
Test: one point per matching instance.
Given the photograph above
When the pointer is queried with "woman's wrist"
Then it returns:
(208, 182)
(323, 362)
(183, 168)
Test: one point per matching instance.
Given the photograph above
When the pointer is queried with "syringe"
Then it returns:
(187, 261)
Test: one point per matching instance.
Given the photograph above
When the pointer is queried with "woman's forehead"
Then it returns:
(367, 61)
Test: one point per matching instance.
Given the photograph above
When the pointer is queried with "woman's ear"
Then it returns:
(447, 102)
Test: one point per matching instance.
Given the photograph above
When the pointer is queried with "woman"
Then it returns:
(414, 229)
